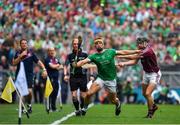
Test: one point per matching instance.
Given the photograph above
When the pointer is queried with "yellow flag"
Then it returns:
(8, 90)
(48, 88)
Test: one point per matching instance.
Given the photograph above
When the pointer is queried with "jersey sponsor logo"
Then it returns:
(96, 58)
(105, 62)
(81, 58)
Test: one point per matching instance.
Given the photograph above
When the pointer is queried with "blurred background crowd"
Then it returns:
(54, 23)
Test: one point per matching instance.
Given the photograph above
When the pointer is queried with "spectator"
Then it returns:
(4, 65)
(38, 86)
(168, 59)
(128, 91)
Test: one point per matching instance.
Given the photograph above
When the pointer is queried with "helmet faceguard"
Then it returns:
(141, 40)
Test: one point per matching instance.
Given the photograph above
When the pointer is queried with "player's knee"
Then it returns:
(88, 94)
(147, 94)
(30, 91)
(114, 101)
(82, 96)
(144, 94)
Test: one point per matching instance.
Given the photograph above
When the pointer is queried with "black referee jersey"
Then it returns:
(72, 57)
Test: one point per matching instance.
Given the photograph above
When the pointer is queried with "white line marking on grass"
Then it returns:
(68, 116)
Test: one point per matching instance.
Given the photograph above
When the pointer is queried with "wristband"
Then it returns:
(44, 69)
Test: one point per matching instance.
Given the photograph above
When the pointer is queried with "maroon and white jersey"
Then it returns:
(149, 61)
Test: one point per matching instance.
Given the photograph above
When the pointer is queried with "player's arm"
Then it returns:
(16, 60)
(66, 76)
(44, 73)
(81, 63)
(19, 58)
(65, 70)
(88, 66)
(55, 66)
(128, 63)
(132, 56)
(127, 52)
(41, 64)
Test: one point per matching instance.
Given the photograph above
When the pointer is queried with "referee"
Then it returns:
(78, 76)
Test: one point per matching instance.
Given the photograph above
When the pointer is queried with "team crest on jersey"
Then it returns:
(29, 54)
(54, 61)
(103, 57)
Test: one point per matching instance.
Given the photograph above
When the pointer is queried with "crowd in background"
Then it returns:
(54, 23)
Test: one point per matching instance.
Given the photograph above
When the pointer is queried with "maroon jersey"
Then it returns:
(149, 61)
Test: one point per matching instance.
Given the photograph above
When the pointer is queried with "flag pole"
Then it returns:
(60, 100)
(20, 112)
(48, 90)
(27, 114)
(47, 105)
(59, 95)
(20, 99)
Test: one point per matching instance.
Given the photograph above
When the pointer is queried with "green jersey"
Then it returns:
(105, 64)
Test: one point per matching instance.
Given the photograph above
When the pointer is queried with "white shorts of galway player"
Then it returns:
(151, 77)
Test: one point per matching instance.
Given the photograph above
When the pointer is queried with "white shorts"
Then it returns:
(152, 77)
(110, 86)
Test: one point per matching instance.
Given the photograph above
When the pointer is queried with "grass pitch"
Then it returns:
(98, 114)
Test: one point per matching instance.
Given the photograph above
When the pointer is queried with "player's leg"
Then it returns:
(144, 89)
(54, 93)
(29, 96)
(110, 86)
(29, 99)
(149, 98)
(75, 102)
(95, 87)
(74, 85)
(145, 84)
(83, 90)
(82, 94)
(154, 80)
(113, 98)
(82, 103)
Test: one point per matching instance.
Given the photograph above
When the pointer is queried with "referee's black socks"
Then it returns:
(82, 102)
(76, 103)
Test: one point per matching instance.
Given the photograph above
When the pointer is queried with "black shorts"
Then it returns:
(30, 81)
(29, 84)
(78, 83)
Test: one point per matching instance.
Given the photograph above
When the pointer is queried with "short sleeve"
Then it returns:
(16, 55)
(86, 55)
(113, 52)
(91, 57)
(46, 62)
(35, 58)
